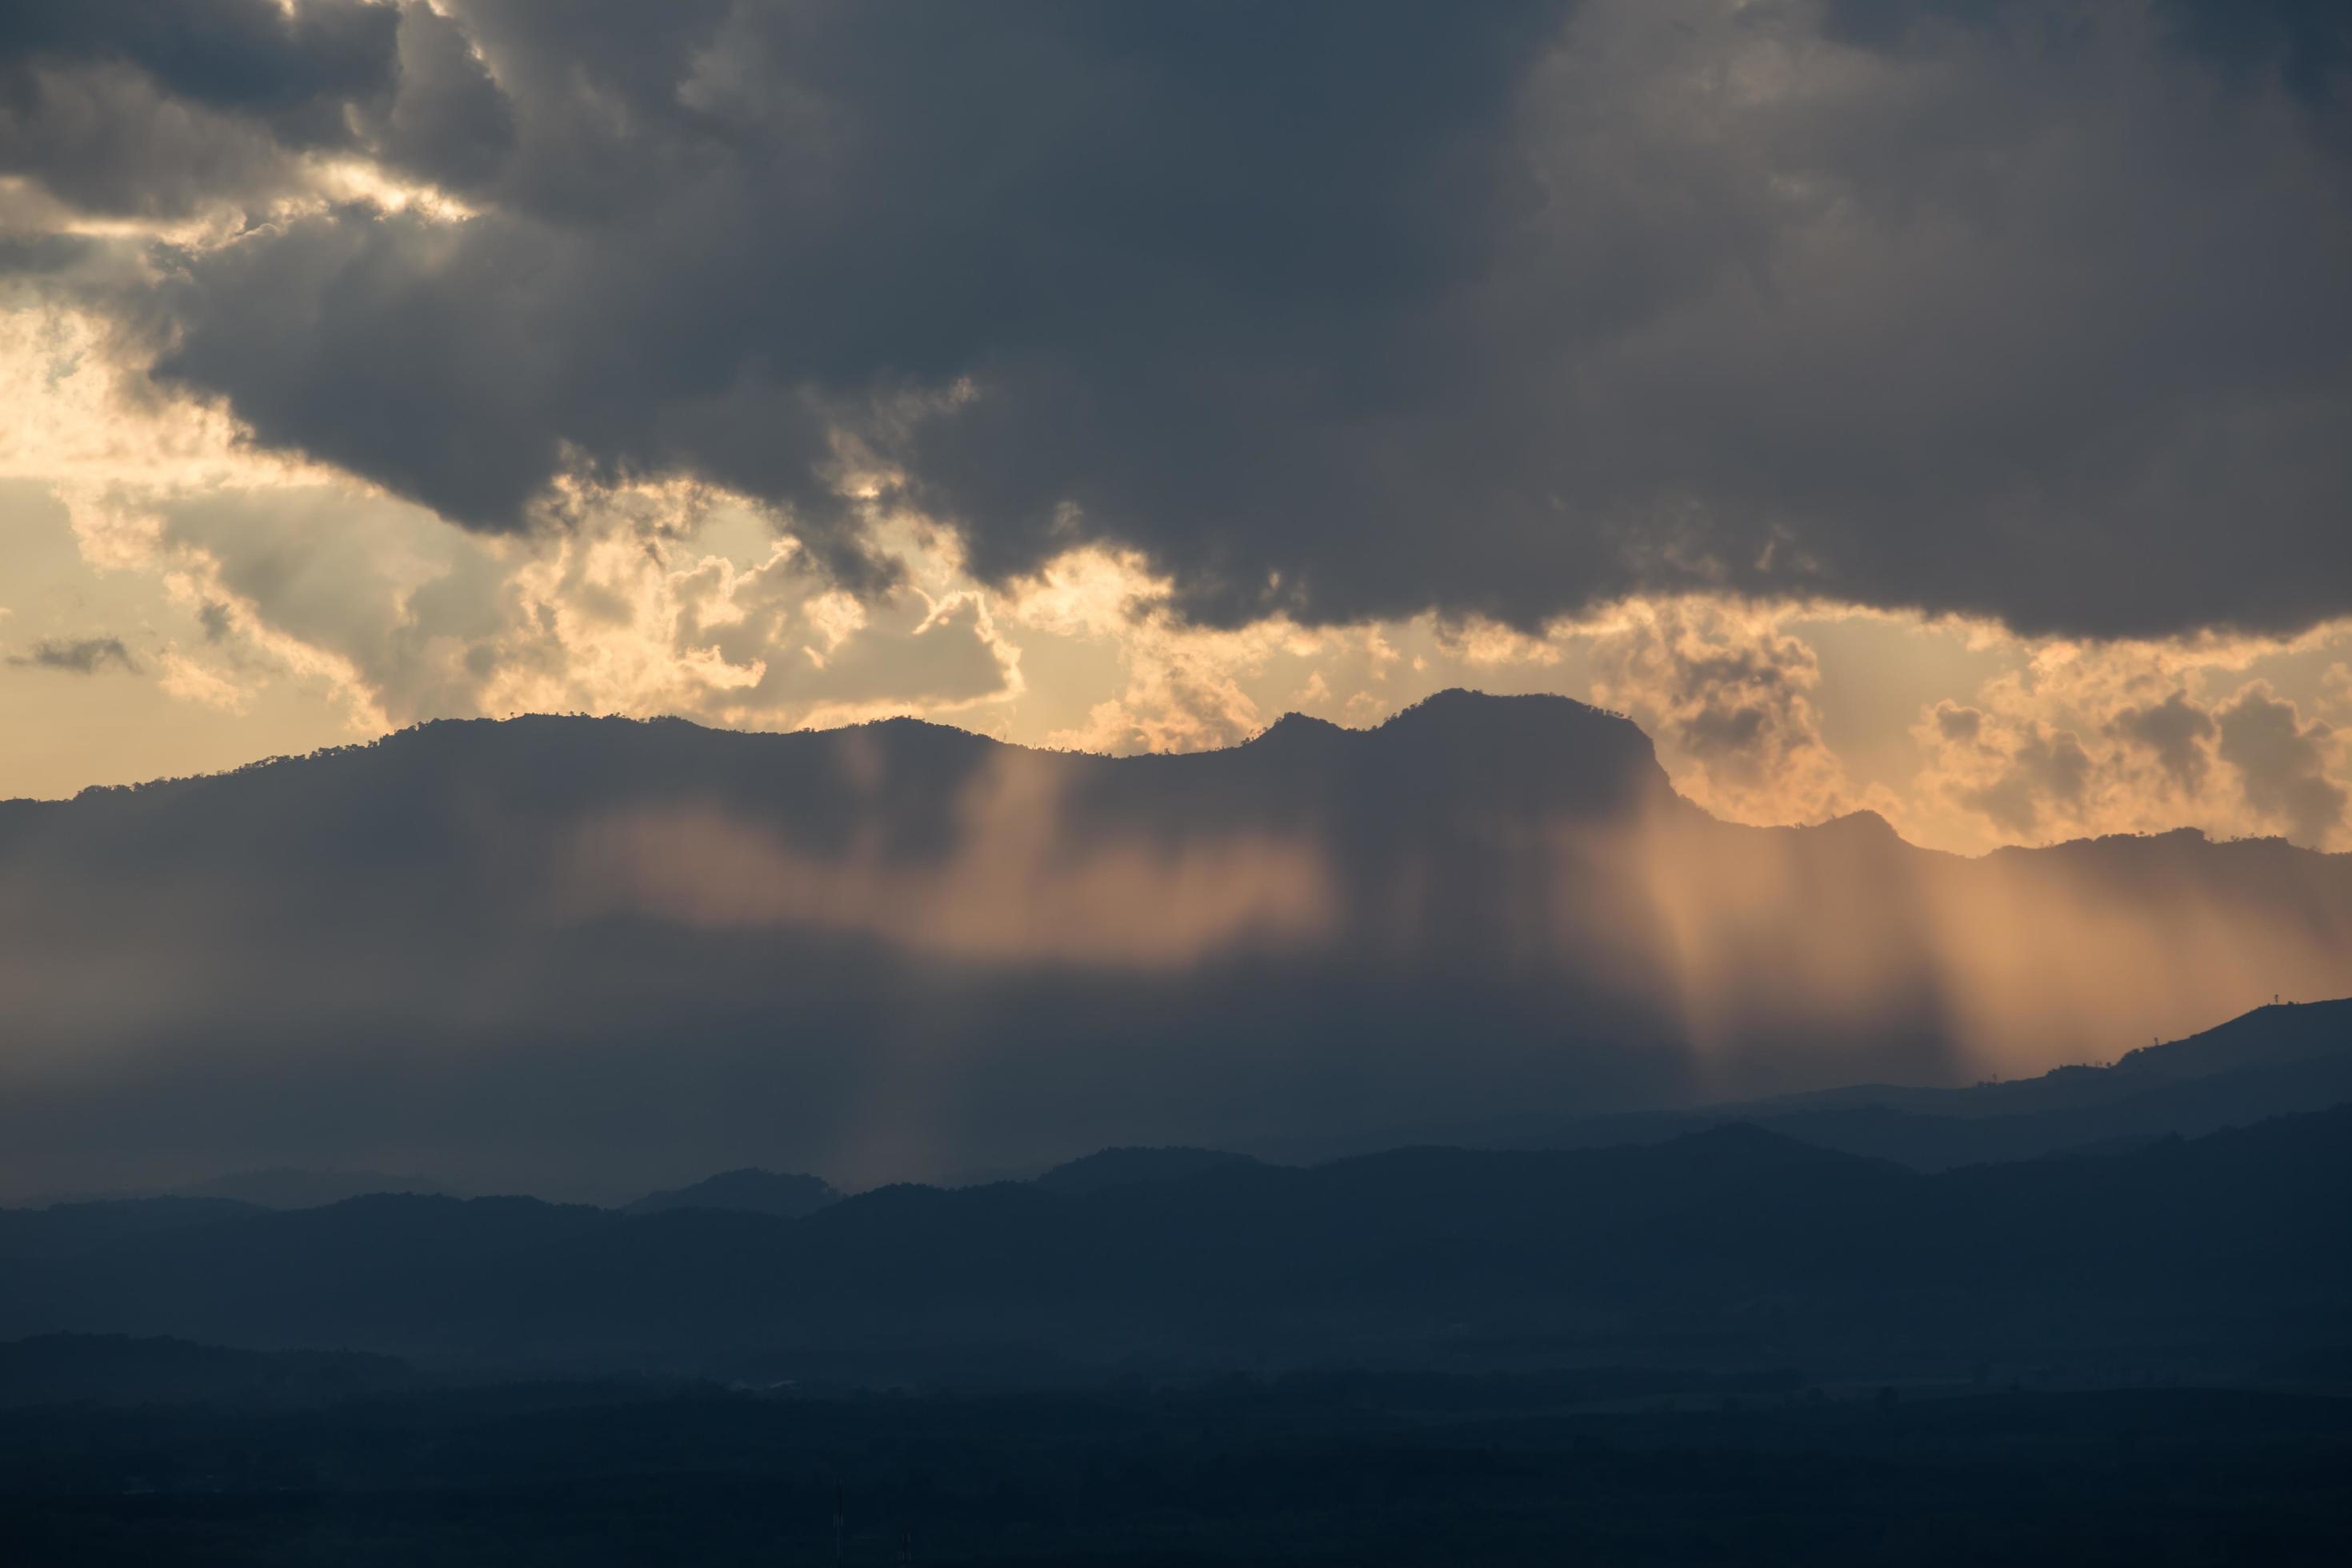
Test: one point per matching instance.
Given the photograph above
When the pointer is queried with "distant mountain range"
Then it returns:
(1131, 1167)
(283, 1188)
(1733, 1244)
(585, 956)
(1813, 1229)
(747, 1191)
(2273, 1061)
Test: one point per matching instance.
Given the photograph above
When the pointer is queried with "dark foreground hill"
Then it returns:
(1730, 1346)
(113, 1369)
(583, 956)
(1617, 1467)
(1734, 1245)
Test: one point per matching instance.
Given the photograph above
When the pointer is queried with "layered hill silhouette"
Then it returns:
(598, 957)
(785, 1194)
(1129, 1167)
(2273, 1061)
(1732, 1245)
(283, 1188)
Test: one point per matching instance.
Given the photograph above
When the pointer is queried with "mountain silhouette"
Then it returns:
(1126, 1167)
(1759, 1245)
(283, 1188)
(296, 1189)
(747, 1190)
(30, 1235)
(577, 955)
(2272, 1061)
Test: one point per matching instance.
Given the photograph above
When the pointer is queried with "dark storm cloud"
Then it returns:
(85, 656)
(2309, 43)
(36, 253)
(2012, 309)
(293, 69)
(142, 106)
(2306, 45)
(448, 122)
(1152, 240)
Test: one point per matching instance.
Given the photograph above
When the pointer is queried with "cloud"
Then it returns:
(1182, 686)
(82, 656)
(1328, 314)
(313, 608)
(2306, 45)
(1729, 692)
(2045, 769)
(1955, 722)
(2179, 732)
(159, 106)
(2080, 740)
(189, 682)
(634, 609)
(2282, 764)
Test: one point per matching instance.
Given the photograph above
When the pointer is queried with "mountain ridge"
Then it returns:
(2273, 1060)
(2231, 1075)
(580, 954)
(1442, 712)
(745, 1190)
(1389, 1256)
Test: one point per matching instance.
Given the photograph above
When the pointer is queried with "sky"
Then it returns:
(1939, 407)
